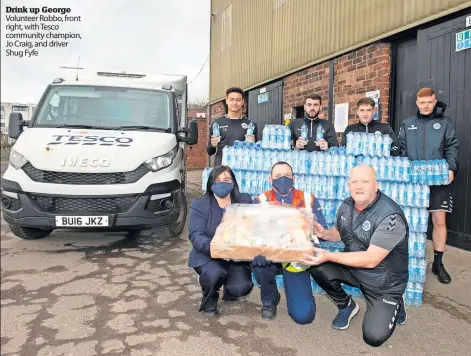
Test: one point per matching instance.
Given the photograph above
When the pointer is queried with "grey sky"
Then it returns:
(150, 36)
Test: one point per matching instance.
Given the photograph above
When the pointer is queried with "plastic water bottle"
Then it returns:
(418, 294)
(320, 132)
(386, 145)
(444, 171)
(410, 293)
(335, 165)
(363, 143)
(279, 137)
(304, 131)
(204, 178)
(423, 218)
(216, 129)
(377, 144)
(412, 245)
(415, 220)
(266, 136)
(342, 165)
(420, 251)
(350, 143)
(286, 138)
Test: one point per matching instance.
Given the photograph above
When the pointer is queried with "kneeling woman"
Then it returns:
(205, 215)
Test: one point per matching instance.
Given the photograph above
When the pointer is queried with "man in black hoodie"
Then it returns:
(365, 108)
(430, 135)
(312, 108)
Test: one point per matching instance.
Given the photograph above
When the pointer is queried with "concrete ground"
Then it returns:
(95, 293)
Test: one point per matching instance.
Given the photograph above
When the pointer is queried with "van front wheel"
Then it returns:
(177, 226)
(29, 233)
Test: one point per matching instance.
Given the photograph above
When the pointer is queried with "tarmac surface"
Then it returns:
(102, 293)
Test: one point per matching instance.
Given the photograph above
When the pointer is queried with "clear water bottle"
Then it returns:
(350, 164)
(216, 129)
(423, 216)
(335, 165)
(204, 178)
(342, 165)
(377, 143)
(286, 138)
(304, 131)
(320, 132)
(425, 196)
(412, 245)
(266, 136)
(350, 143)
(410, 292)
(356, 144)
(420, 251)
(363, 143)
(250, 128)
(413, 268)
(444, 171)
(272, 136)
(405, 169)
(415, 220)
(243, 181)
(302, 165)
(386, 145)
(418, 294)
(279, 137)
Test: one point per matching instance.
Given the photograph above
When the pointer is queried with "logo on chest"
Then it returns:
(366, 226)
(244, 126)
(437, 126)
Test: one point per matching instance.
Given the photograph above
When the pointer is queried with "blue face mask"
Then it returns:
(222, 189)
(283, 185)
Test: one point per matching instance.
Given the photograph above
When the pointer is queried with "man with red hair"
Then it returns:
(430, 135)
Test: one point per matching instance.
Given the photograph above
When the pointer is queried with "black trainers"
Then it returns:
(269, 313)
(402, 313)
(211, 312)
(440, 271)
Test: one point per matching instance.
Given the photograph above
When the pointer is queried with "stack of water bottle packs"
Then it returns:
(325, 174)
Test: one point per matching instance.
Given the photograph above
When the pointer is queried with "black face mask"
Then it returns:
(222, 189)
(283, 185)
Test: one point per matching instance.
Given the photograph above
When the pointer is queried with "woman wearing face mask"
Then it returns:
(205, 215)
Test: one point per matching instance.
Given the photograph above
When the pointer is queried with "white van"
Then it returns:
(104, 152)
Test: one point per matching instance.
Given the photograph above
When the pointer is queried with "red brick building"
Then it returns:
(196, 156)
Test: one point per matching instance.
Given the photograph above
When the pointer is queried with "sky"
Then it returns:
(143, 36)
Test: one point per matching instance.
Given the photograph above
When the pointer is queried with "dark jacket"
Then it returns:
(391, 274)
(430, 137)
(231, 130)
(372, 127)
(329, 132)
(204, 218)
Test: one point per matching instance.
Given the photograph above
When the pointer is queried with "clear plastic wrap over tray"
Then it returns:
(280, 233)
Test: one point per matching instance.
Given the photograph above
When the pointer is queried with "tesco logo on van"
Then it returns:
(91, 140)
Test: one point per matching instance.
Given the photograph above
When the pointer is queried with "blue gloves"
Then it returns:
(260, 261)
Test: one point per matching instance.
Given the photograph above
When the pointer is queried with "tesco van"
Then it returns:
(104, 152)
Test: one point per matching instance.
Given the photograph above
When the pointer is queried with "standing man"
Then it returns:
(430, 135)
(375, 233)
(298, 288)
(311, 120)
(365, 110)
(232, 126)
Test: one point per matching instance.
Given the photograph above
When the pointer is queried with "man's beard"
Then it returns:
(316, 115)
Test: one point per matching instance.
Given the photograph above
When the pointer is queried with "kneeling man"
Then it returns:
(375, 233)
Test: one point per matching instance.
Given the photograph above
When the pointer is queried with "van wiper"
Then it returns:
(141, 127)
(84, 127)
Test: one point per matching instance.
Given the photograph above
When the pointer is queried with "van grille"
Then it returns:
(109, 205)
(84, 178)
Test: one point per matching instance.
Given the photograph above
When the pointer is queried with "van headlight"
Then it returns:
(17, 160)
(160, 162)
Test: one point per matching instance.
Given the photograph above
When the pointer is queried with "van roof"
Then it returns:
(128, 80)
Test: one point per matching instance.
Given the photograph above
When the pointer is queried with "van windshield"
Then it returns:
(105, 107)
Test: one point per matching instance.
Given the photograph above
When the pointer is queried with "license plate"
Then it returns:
(82, 221)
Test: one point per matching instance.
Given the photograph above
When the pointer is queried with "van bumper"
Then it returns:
(159, 205)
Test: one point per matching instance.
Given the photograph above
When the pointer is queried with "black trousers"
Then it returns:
(235, 276)
(382, 307)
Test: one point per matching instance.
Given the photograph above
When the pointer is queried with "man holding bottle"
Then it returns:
(231, 127)
(365, 109)
(429, 135)
(311, 133)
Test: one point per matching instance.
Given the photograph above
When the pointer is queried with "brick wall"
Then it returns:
(360, 71)
(306, 82)
(196, 155)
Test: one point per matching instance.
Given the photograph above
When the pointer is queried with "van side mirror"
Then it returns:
(15, 125)
(190, 135)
